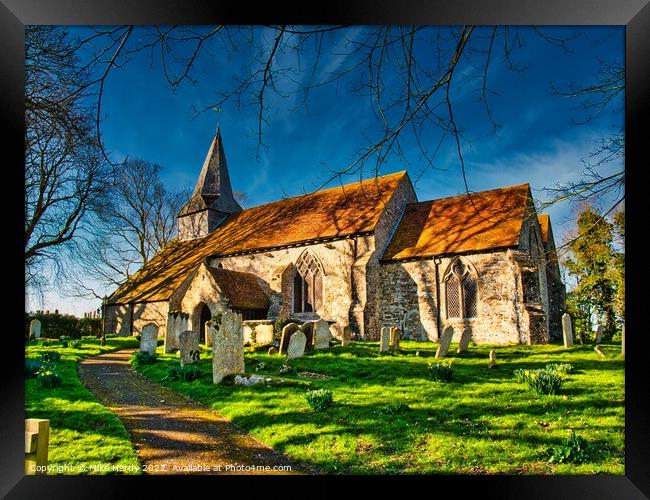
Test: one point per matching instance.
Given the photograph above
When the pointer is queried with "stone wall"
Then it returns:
(118, 317)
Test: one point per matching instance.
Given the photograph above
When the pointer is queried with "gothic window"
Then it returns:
(307, 284)
(461, 291)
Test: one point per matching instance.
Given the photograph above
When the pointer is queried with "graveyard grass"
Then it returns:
(483, 422)
(85, 437)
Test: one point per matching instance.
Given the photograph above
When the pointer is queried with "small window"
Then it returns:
(461, 291)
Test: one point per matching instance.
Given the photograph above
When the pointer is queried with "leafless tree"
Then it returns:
(128, 227)
(64, 169)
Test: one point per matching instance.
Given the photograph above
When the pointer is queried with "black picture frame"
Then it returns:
(634, 14)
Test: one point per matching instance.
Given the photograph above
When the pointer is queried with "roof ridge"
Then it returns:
(369, 179)
(471, 192)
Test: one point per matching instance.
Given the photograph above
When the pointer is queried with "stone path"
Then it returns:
(171, 433)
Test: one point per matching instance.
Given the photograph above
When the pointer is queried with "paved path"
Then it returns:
(171, 433)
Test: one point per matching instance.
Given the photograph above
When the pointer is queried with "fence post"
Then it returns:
(37, 437)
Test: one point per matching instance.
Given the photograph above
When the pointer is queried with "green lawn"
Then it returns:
(85, 437)
(482, 422)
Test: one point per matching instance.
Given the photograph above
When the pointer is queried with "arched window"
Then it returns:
(461, 291)
(307, 284)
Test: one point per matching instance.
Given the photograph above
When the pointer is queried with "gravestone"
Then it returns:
(567, 331)
(445, 340)
(208, 334)
(347, 335)
(287, 332)
(600, 351)
(171, 339)
(149, 338)
(384, 340)
(297, 344)
(37, 438)
(599, 334)
(188, 343)
(248, 334)
(34, 329)
(395, 335)
(227, 347)
(465, 337)
(264, 334)
(308, 329)
(322, 334)
(272, 350)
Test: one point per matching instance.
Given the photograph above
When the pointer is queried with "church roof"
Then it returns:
(544, 224)
(482, 221)
(242, 290)
(330, 213)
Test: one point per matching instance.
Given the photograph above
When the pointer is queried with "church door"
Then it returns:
(206, 315)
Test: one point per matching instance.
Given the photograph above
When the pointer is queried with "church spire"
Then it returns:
(212, 195)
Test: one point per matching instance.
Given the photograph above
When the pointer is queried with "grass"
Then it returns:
(389, 417)
(85, 437)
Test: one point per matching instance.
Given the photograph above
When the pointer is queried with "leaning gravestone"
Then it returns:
(188, 342)
(465, 337)
(287, 332)
(227, 347)
(297, 344)
(445, 340)
(493, 358)
(322, 334)
(567, 331)
(384, 341)
(171, 339)
(599, 334)
(34, 329)
(149, 338)
(395, 335)
(308, 329)
(347, 335)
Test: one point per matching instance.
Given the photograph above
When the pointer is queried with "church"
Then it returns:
(366, 254)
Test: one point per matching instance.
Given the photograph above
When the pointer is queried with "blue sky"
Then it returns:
(537, 143)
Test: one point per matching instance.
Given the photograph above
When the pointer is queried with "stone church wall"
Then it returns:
(118, 317)
(409, 298)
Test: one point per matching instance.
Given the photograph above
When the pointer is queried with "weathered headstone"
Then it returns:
(297, 344)
(322, 334)
(227, 347)
(384, 340)
(567, 330)
(395, 335)
(308, 329)
(599, 334)
(493, 358)
(188, 342)
(149, 338)
(600, 351)
(34, 329)
(465, 337)
(272, 350)
(247, 331)
(171, 339)
(347, 335)
(287, 332)
(208, 334)
(445, 340)
(264, 334)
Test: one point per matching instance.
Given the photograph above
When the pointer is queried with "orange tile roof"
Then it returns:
(329, 213)
(456, 225)
(544, 224)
